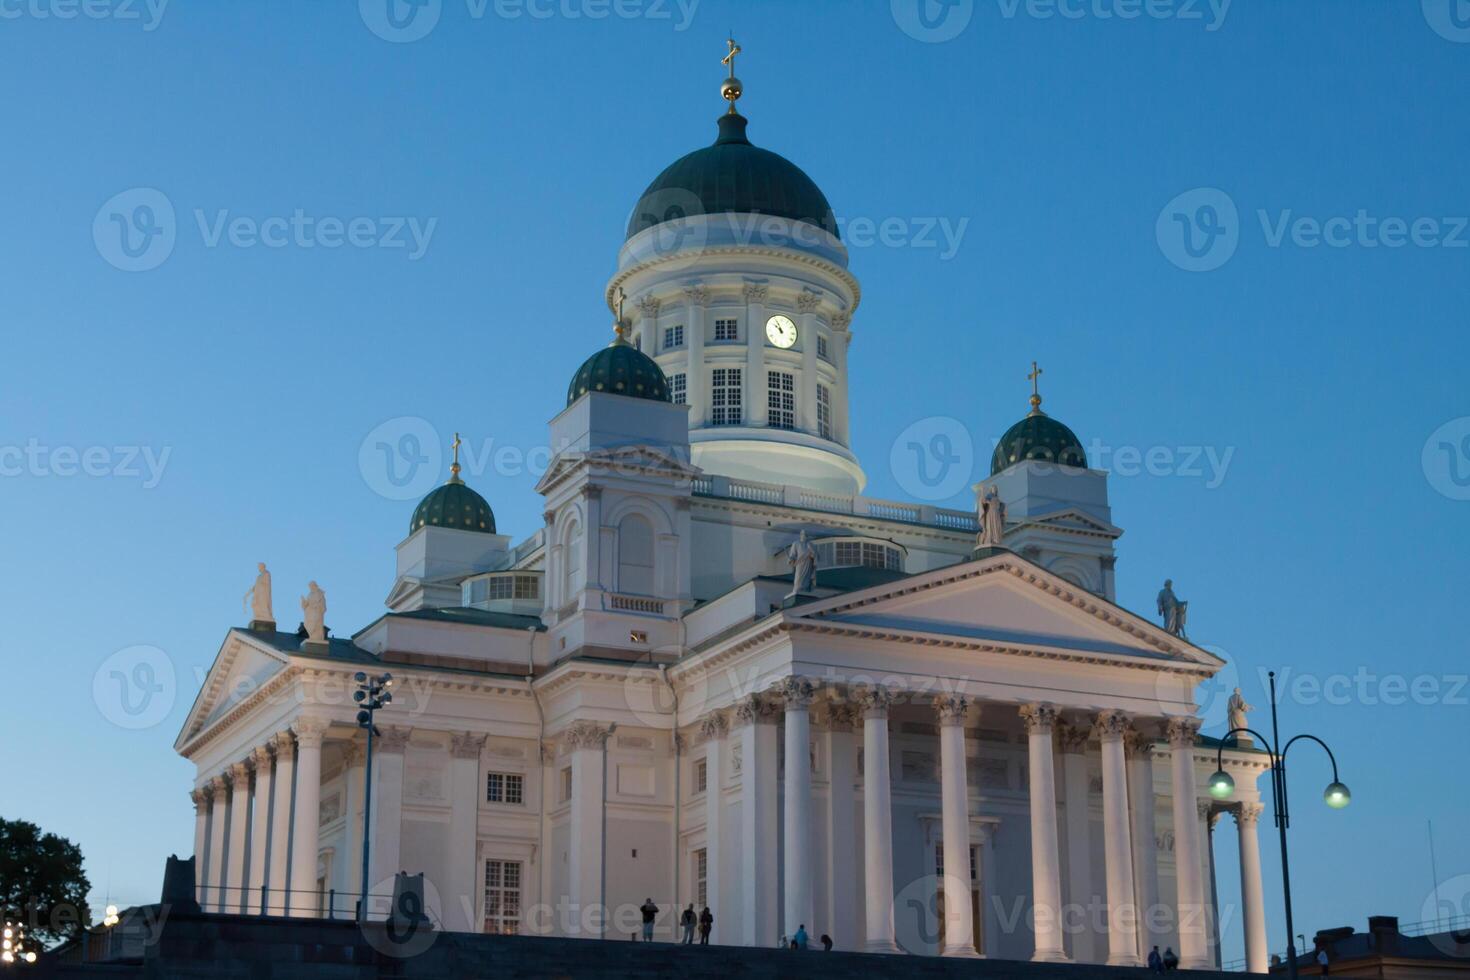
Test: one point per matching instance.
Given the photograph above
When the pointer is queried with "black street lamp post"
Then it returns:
(372, 693)
(1222, 787)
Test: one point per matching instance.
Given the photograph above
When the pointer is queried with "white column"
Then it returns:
(201, 839)
(695, 380)
(1145, 834)
(1076, 785)
(386, 822)
(585, 743)
(260, 828)
(795, 694)
(1251, 895)
(459, 897)
(304, 901)
(1117, 841)
(1046, 865)
(712, 731)
(219, 803)
(807, 304)
(759, 924)
(842, 883)
(959, 932)
(1208, 818)
(279, 878)
(354, 772)
(1193, 951)
(235, 884)
(877, 824)
(989, 917)
(756, 410)
(840, 338)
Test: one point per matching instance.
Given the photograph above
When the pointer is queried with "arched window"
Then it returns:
(572, 563)
(635, 555)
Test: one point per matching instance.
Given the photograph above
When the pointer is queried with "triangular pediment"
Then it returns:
(1003, 602)
(1074, 520)
(628, 459)
(240, 669)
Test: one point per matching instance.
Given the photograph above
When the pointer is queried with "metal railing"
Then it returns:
(833, 503)
(1429, 927)
(326, 903)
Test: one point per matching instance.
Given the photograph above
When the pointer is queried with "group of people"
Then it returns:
(688, 922)
(1168, 961)
(800, 940)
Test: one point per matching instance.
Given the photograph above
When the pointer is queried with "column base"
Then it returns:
(1130, 959)
(882, 946)
(962, 952)
(1195, 964)
(1050, 956)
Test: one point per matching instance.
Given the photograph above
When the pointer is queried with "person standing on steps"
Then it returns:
(1155, 961)
(688, 920)
(799, 940)
(706, 922)
(1171, 961)
(650, 912)
(826, 943)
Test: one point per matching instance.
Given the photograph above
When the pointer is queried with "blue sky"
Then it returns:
(1332, 544)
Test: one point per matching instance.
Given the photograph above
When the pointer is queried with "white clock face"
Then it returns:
(781, 331)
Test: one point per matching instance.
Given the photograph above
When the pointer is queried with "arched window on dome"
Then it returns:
(635, 555)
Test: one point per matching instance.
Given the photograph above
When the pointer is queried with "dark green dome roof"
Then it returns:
(456, 506)
(1038, 436)
(620, 369)
(732, 176)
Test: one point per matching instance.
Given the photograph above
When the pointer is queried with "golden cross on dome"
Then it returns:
(729, 59)
(1034, 377)
(454, 467)
(730, 88)
(619, 325)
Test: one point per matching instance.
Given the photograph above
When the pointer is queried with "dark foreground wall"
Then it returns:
(226, 947)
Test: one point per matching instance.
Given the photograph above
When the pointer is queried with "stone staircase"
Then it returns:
(226, 947)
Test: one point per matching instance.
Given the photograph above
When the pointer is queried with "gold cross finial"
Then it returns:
(454, 466)
(620, 325)
(731, 89)
(1035, 377)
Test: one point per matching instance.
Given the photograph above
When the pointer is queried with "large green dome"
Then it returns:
(456, 506)
(732, 176)
(1038, 436)
(620, 369)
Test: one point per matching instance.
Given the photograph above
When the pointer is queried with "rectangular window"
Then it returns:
(725, 397)
(824, 411)
(503, 897)
(701, 775)
(701, 878)
(822, 348)
(527, 587)
(727, 330)
(505, 787)
(566, 784)
(781, 400)
(679, 389)
(673, 337)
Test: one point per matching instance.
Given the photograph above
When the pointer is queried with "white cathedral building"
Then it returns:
(932, 748)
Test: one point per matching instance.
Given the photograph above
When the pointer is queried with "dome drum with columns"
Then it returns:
(597, 712)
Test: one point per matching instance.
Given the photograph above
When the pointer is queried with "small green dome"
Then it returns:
(620, 369)
(732, 176)
(456, 506)
(1038, 436)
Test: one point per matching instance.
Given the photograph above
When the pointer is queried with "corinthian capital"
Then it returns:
(795, 692)
(1137, 744)
(873, 700)
(952, 708)
(696, 294)
(1039, 717)
(648, 306)
(466, 745)
(1073, 738)
(808, 301)
(1247, 814)
(394, 739)
(754, 709)
(1183, 732)
(585, 735)
(713, 725)
(755, 292)
(1110, 725)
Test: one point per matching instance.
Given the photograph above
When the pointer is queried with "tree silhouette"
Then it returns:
(42, 884)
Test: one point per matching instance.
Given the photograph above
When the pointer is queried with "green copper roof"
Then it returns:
(732, 176)
(456, 506)
(620, 369)
(1041, 437)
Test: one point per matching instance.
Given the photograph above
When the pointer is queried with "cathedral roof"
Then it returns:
(732, 176)
(454, 505)
(1038, 436)
(620, 369)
